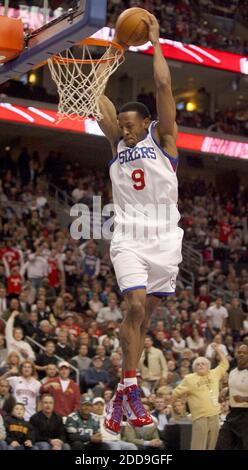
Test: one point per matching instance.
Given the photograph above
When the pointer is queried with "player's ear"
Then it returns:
(146, 123)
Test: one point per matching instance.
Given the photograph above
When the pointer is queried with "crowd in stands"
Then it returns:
(229, 121)
(61, 309)
(183, 20)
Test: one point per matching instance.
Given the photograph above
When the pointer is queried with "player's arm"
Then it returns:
(109, 123)
(166, 128)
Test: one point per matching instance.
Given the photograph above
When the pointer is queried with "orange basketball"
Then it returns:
(131, 29)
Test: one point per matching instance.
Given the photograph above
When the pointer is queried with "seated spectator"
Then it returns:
(114, 441)
(96, 378)
(85, 339)
(146, 438)
(95, 304)
(112, 334)
(11, 366)
(44, 358)
(25, 388)
(3, 350)
(195, 342)
(51, 371)
(83, 429)
(179, 414)
(63, 349)
(3, 443)
(7, 401)
(162, 414)
(65, 392)
(178, 343)
(45, 333)
(14, 339)
(82, 361)
(211, 352)
(19, 432)
(70, 325)
(48, 427)
(31, 327)
(109, 313)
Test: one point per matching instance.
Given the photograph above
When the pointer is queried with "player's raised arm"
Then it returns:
(166, 108)
(109, 122)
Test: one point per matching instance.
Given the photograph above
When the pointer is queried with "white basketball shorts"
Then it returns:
(148, 264)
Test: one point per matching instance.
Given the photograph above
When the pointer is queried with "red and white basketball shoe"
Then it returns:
(114, 414)
(136, 414)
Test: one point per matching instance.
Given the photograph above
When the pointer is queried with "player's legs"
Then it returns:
(151, 304)
(132, 327)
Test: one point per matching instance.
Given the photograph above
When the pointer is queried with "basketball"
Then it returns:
(131, 29)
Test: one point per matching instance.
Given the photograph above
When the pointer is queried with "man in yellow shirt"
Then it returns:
(201, 388)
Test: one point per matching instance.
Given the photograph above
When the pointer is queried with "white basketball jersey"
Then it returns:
(25, 392)
(145, 189)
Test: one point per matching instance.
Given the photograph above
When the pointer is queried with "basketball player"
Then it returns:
(143, 172)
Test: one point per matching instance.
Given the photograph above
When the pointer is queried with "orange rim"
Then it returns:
(90, 42)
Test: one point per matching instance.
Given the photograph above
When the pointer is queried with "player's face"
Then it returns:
(133, 127)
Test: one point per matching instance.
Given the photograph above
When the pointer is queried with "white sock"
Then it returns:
(130, 381)
(120, 386)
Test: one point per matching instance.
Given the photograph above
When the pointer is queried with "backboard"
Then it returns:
(64, 23)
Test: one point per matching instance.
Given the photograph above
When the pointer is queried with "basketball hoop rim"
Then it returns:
(61, 60)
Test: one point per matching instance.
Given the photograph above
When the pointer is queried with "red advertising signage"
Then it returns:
(32, 115)
(177, 50)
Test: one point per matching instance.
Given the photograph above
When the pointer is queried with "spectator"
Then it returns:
(48, 427)
(217, 314)
(63, 349)
(236, 317)
(83, 428)
(14, 339)
(82, 361)
(7, 401)
(26, 388)
(65, 392)
(45, 358)
(146, 438)
(152, 365)
(95, 377)
(109, 313)
(3, 350)
(202, 391)
(3, 443)
(211, 350)
(11, 367)
(114, 442)
(51, 371)
(19, 432)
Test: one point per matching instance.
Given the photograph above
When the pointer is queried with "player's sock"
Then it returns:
(130, 378)
(120, 386)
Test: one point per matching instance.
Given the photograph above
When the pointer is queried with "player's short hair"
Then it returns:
(140, 108)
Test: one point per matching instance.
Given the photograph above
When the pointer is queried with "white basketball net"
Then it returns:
(80, 84)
